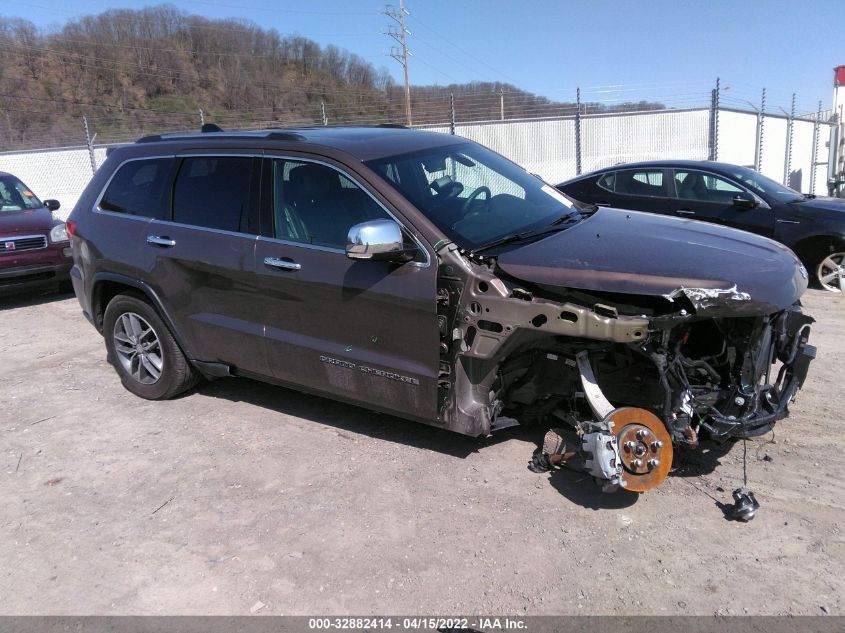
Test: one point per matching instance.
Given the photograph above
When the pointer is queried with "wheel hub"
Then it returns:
(645, 448)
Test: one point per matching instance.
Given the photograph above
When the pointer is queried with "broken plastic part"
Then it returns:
(745, 505)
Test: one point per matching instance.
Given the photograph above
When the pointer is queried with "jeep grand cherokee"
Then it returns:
(426, 276)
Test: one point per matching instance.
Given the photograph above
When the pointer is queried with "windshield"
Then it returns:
(15, 196)
(764, 186)
(472, 194)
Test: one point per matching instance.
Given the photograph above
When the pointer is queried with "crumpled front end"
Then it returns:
(623, 380)
(731, 377)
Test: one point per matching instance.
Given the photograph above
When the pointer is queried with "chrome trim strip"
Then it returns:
(253, 154)
(15, 238)
(313, 247)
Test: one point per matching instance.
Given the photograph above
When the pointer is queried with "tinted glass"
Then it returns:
(643, 182)
(764, 186)
(141, 187)
(213, 192)
(472, 194)
(15, 196)
(695, 185)
(608, 181)
(316, 204)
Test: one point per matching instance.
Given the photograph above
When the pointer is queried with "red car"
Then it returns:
(34, 248)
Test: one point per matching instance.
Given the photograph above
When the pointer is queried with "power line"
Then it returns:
(448, 41)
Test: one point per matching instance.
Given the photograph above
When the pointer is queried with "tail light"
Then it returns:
(71, 227)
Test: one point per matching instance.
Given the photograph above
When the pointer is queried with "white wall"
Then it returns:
(61, 174)
(543, 146)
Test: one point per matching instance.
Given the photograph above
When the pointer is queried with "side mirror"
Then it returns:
(53, 205)
(744, 200)
(379, 240)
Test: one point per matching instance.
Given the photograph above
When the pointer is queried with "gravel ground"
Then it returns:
(240, 494)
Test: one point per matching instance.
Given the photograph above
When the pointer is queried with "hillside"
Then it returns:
(152, 70)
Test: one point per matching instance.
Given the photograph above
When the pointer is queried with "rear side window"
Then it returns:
(141, 187)
(645, 182)
(213, 192)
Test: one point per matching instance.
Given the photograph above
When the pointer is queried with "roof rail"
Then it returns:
(398, 125)
(210, 127)
(274, 135)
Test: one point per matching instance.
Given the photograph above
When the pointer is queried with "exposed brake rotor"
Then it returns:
(645, 447)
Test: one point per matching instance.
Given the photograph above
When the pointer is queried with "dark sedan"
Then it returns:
(813, 227)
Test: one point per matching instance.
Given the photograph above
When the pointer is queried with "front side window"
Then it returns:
(764, 186)
(472, 194)
(213, 192)
(315, 204)
(640, 182)
(15, 196)
(141, 187)
(704, 187)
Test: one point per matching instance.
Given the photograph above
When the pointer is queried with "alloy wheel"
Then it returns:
(831, 272)
(138, 348)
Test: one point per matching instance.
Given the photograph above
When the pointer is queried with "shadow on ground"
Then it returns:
(582, 490)
(575, 486)
(28, 299)
(700, 461)
(352, 419)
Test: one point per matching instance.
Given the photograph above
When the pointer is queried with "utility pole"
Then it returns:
(501, 104)
(401, 55)
(790, 127)
(89, 141)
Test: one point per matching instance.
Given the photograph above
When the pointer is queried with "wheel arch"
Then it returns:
(107, 286)
(810, 248)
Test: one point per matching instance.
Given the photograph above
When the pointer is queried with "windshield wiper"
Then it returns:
(509, 239)
(555, 225)
(577, 214)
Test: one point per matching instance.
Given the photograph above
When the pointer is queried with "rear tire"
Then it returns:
(142, 350)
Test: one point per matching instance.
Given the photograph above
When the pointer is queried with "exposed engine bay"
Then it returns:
(622, 381)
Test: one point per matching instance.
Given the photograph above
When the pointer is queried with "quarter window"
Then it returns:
(608, 181)
(696, 185)
(315, 204)
(141, 187)
(213, 192)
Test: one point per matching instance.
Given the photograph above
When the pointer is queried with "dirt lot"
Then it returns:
(241, 493)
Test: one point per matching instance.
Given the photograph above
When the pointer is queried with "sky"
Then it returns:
(615, 50)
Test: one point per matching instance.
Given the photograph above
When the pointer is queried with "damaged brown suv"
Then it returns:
(426, 276)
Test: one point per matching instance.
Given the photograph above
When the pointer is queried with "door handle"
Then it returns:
(160, 241)
(685, 212)
(275, 262)
(602, 204)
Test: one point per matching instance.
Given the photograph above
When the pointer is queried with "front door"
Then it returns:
(705, 196)
(359, 330)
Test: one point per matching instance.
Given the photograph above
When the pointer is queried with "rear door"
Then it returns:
(644, 189)
(702, 195)
(200, 261)
(360, 330)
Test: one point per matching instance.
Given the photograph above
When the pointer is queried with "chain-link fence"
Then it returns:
(556, 141)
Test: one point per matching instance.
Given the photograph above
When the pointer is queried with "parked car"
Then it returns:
(426, 276)
(35, 252)
(813, 227)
